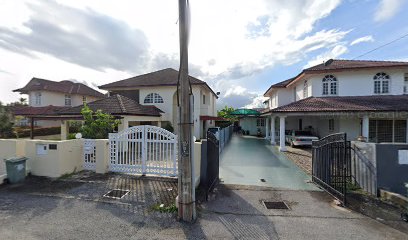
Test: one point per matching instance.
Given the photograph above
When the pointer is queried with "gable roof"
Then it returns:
(383, 103)
(164, 77)
(116, 105)
(65, 86)
(335, 65)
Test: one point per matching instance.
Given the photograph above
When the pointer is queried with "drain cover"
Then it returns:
(275, 205)
(116, 193)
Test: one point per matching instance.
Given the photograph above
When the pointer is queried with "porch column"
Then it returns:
(267, 128)
(273, 131)
(282, 146)
(159, 124)
(64, 129)
(407, 130)
(365, 128)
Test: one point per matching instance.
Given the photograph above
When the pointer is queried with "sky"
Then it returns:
(239, 47)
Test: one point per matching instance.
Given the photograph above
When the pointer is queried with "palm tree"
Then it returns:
(23, 101)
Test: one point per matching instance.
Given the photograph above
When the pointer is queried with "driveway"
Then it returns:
(246, 160)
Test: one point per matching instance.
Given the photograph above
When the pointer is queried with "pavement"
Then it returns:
(74, 208)
(246, 160)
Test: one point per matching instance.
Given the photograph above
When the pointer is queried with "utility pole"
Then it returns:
(186, 191)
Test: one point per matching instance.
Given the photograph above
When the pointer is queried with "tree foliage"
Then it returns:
(226, 113)
(97, 125)
(6, 124)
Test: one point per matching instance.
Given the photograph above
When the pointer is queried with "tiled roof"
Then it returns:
(116, 105)
(339, 65)
(334, 64)
(164, 77)
(65, 86)
(38, 111)
(347, 104)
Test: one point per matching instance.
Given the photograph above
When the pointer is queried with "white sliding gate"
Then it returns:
(144, 150)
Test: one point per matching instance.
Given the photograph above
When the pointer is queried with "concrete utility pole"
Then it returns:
(186, 191)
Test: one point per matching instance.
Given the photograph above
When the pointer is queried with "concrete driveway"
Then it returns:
(246, 160)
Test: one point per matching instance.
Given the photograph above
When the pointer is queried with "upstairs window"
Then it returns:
(406, 83)
(84, 100)
(68, 100)
(381, 83)
(153, 98)
(37, 99)
(329, 85)
(203, 99)
(305, 89)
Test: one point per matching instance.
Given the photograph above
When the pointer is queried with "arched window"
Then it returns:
(305, 89)
(381, 83)
(153, 98)
(329, 85)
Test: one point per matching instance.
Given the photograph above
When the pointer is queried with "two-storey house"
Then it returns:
(365, 99)
(45, 96)
(159, 89)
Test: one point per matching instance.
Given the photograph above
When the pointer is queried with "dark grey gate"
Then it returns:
(211, 177)
(331, 164)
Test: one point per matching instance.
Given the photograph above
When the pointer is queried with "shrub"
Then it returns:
(97, 125)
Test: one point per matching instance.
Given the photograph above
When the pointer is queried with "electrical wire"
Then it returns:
(379, 47)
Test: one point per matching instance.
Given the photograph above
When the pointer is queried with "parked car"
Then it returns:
(216, 131)
(300, 138)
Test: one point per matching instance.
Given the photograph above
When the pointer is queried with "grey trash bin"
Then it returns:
(16, 169)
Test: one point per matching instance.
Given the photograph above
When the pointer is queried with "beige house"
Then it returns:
(159, 89)
(50, 95)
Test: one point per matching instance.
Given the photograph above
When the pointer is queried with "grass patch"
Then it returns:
(165, 209)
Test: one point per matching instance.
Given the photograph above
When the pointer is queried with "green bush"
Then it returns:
(97, 125)
(168, 127)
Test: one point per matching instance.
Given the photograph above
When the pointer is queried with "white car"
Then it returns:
(300, 138)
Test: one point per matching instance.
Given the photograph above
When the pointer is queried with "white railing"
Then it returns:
(89, 154)
(143, 150)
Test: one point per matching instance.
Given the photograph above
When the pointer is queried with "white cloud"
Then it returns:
(362, 39)
(108, 41)
(335, 52)
(387, 9)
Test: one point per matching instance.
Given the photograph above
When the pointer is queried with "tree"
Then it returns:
(226, 113)
(97, 125)
(23, 101)
(6, 124)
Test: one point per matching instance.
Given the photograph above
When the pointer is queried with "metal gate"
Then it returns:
(331, 164)
(89, 156)
(144, 150)
(211, 175)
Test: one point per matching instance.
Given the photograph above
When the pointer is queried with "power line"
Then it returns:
(375, 49)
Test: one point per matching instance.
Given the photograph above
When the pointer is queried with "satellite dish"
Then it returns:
(78, 136)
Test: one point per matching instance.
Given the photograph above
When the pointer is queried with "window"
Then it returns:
(405, 83)
(305, 89)
(203, 99)
(381, 83)
(67, 100)
(153, 98)
(331, 125)
(37, 99)
(329, 85)
(83, 100)
(260, 122)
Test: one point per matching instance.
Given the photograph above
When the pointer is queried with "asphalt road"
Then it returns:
(77, 210)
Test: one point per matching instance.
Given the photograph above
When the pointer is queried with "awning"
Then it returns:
(206, 118)
(245, 112)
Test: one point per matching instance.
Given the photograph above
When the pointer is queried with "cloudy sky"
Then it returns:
(239, 47)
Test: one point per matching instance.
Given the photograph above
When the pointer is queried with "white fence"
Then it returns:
(89, 154)
(144, 150)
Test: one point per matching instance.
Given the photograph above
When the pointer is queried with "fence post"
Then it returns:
(102, 156)
(144, 150)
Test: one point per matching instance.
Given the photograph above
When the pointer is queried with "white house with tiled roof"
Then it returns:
(361, 98)
(159, 89)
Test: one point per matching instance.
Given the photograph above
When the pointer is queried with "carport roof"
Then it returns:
(245, 112)
(383, 103)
